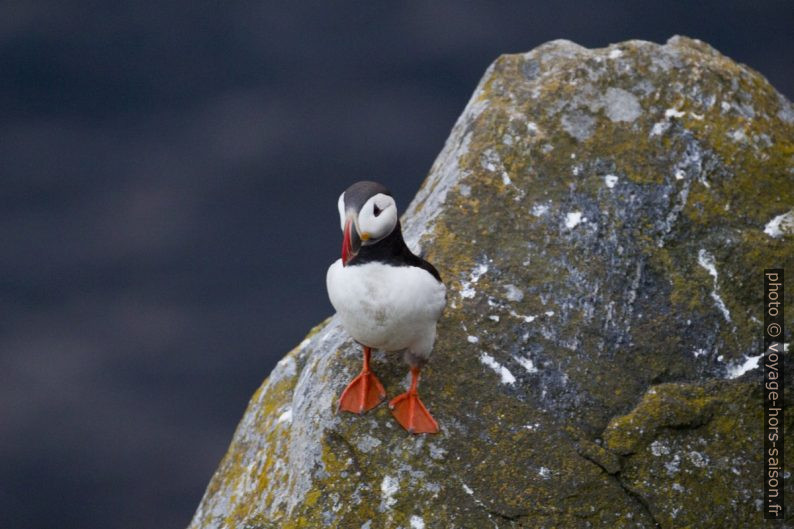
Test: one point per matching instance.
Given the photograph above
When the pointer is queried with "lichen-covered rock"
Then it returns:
(693, 454)
(602, 219)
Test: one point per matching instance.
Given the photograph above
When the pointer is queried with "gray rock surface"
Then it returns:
(601, 219)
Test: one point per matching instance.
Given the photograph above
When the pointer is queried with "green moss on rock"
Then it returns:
(598, 217)
(693, 452)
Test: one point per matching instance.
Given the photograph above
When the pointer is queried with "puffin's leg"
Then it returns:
(364, 392)
(409, 410)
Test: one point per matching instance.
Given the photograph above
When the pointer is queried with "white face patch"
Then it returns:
(377, 218)
(341, 206)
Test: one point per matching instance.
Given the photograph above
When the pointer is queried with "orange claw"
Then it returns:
(364, 392)
(409, 410)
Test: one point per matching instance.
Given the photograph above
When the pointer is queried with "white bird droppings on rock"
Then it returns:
(572, 219)
(538, 210)
(658, 448)
(417, 522)
(505, 374)
(513, 293)
(490, 160)
(659, 128)
(707, 262)
(436, 452)
(388, 488)
(698, 459)
(467, 290)
(285, 417)
(781, 224)
(673, 113)
(673, 465)
(737, 135)
(527, 364)
(739, 369)
(478, 272)
(527, 319)
(721, 305)
(610, 180)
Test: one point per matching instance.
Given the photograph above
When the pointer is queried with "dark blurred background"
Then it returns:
(169, 176)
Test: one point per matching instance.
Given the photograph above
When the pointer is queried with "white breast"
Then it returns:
(387, 307)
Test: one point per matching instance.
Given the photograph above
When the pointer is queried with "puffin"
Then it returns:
(387, 298)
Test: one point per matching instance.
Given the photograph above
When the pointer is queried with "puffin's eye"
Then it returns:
(376, 210)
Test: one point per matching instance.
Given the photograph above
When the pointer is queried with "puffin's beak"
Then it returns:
(351, 242)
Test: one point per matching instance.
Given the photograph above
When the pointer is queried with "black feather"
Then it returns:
(392, 250)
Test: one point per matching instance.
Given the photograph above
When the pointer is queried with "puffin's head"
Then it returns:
(368, 214)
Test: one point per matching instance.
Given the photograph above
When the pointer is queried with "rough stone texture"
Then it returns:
(599, 217)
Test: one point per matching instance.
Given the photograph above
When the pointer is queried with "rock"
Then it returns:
(599, 219)
(692, 453)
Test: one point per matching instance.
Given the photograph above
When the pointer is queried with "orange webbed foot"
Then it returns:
(362, 394)
(412, 414)
(409, 410)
